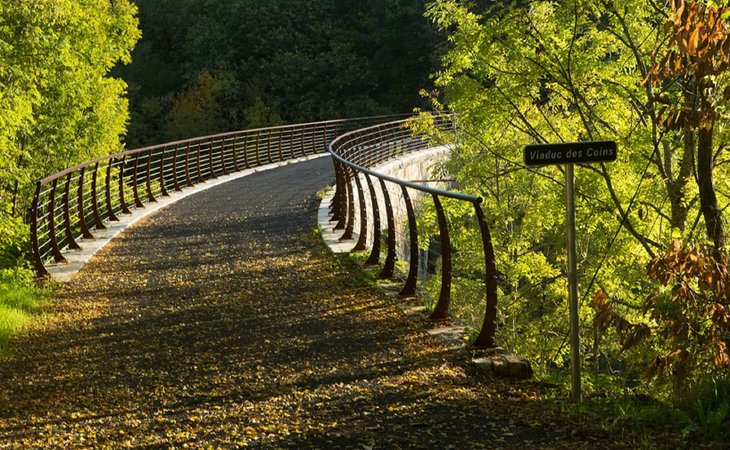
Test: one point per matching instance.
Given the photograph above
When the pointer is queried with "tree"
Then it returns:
(58, 104)
(693, 63)
(299, 60)
(543, 71)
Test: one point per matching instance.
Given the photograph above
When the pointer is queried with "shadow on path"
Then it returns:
(221, 321)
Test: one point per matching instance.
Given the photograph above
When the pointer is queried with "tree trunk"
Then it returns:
(677, 184)
(15, 199)
(708, 198)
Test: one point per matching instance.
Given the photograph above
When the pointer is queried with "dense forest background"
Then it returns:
(210, 66)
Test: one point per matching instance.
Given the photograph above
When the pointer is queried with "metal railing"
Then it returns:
(69, 206)
(355, 154)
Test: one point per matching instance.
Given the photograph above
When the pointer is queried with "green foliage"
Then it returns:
(688, 326)
(19, 300)
(58, 106)
(540, 71)
(275, 62)
(13, 237)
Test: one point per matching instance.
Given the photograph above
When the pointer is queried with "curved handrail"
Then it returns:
(69, 205)
(355, 154)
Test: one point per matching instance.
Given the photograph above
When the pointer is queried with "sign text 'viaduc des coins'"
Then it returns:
(569, 152)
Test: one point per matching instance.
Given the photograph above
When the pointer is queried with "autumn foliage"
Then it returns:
(698, 50)
(688, 315)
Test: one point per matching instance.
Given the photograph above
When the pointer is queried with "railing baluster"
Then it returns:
(135, 182)
(235, 154)
(176, 169)
(122, 202)
(489, 326)
(344, 191)
(246, 164)
(374, 257)
(302, 131)
(211, 169)
(362, 239)
(163, 189)
(389, 267)
(148, 178)
(410, 287)
(349, 227)
(335, 203)
(108, 194)
(80, 201)
(258, 156)
(197, 161)
(40, 268)
(441, 311)
(188, 181)
(223, 156)
(98, 224)
(57, 256)
(268, 147)
(72, 244)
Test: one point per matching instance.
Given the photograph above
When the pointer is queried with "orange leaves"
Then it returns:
(688, 321)
(698, 49)
(606, 317)
(680, 266)
(694, 316)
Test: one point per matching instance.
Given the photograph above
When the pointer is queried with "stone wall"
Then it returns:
(414, 167)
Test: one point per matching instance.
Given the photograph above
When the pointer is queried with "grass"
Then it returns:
(19, 302)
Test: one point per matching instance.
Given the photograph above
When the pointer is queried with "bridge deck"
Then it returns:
(222, 320)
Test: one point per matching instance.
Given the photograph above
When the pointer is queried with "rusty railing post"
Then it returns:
(441, 311)
(335, 203)
(246, 164)
(148, 178)
(362, 239)
(489, 326)
(163, 189)
(256, 144)
(188, 181)
(122, 202)
(303, 153)
(197, 164)
(223, 156)
(175, 170)
(40, 268)
(57, 256)
(268, 147)
(235, 154)
(72, 244)
(409, 289)
(98, 224)
(344, 192)
(374, 257)
(389, 267)
(350, 225)
(109, 206)
(211, 169)
(135, 182)
(85, 233)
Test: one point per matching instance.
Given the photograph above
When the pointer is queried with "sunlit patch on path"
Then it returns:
(221, 321)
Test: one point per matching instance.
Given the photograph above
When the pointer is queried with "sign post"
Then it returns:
(568, 154)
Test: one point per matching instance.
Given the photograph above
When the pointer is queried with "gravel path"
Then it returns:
(222, 322)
